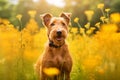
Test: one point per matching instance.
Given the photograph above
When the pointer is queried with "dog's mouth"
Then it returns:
(59, 38)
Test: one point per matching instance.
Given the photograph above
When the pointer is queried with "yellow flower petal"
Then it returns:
(87, 26)
(115, 17)
(107, 10)
(109, 28)
(19, 16)
(97, 24)
(76, 20)
(100, 6)
(32, 13)
(102, 18)
(51, 71)
(89, 14)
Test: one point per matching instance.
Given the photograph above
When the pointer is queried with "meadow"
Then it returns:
(95, 49)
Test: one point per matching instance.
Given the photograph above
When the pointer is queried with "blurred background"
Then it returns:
(94, 37)
(10, 8)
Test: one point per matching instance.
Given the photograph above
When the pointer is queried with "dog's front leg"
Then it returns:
(67, 76)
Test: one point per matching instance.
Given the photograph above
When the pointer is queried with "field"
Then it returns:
(95, 50)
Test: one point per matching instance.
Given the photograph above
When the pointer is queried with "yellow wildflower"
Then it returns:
(107, 10)
(51, 71)
(106, 20)
(115, 17)
(19, 16)
(108, 28)
(92, 62)
(87, 26)
(100, 6)
(76, 20)
(82, 30)
(102, 19)
(32, 26)
(92, 28)
(89, 31)
(32, 13)
(89, 14)
(5, 21)
(97, 24)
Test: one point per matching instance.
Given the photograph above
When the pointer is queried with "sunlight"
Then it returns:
(58, 3)
(35, 0)
(14, 1)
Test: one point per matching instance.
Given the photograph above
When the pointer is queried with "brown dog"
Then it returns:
(56, 54)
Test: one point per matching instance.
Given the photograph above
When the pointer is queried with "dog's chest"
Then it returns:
(58, 60)
(55, 58)
(58, 57)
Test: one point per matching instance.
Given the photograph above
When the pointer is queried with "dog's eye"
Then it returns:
(52, 24)
(63, 24)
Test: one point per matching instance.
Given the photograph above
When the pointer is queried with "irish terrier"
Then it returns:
(56, 54)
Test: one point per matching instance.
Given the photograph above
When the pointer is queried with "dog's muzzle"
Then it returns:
(59, 32)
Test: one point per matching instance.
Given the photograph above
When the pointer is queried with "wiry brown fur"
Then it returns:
(55, 57)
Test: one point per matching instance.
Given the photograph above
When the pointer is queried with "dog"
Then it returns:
(56, 53)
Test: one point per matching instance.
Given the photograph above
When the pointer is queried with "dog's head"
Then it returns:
(57, 27)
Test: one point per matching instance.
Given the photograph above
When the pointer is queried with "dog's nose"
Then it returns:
(59, 32)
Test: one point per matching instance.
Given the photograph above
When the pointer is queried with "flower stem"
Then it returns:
(79, 26)
(103, 12)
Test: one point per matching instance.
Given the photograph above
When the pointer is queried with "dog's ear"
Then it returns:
(46, 18)
(66, 16)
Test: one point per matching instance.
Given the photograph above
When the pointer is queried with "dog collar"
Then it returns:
(51, 44)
